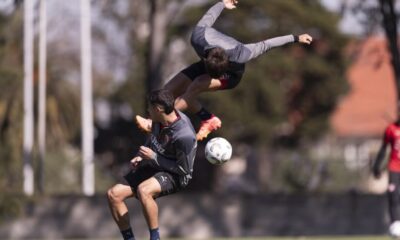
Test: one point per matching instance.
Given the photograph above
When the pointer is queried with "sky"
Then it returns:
(6, 6)
(348, 24)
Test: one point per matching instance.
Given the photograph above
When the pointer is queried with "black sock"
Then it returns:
(203, 114)
(393, 205)
(154, 234)
(128, 234)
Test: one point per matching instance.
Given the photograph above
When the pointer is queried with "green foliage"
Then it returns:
(10, 103)
(63, 118)
(10, 207)
(62, 109)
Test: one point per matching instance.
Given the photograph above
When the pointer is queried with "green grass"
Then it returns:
(299, 238)
(313, 238)
(305, 238)
(275, 238)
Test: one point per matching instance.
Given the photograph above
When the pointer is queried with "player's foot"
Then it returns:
(143, 124)
(207, 126)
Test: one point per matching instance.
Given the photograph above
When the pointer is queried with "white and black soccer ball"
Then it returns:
(218, 150)
(394, 230)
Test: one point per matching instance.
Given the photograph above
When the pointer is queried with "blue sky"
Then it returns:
(349, 23)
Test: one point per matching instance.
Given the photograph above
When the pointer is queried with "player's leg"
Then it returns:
(204, 83)
(159, 185)
(178, 84)
(147, 191)
(188, 101)
(394, 196)
(116, 196)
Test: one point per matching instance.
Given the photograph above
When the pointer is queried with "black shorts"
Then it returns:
(229, 80)
(394, 178)
(169, 182)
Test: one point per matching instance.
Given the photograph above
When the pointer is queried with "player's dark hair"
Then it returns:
(217, 62)
(163, 98)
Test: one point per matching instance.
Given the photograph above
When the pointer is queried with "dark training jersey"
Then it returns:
(204, 37)
(392, 137)
(175, 147)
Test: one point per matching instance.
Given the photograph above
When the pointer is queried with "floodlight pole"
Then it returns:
(42, 91)
(87, 101)
(28, 173)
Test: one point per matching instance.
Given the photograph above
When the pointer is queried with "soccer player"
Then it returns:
(392, 138)
(163, 166)
(221, 66)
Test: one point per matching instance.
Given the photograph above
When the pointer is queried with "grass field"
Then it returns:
(306, 238)
(263, 238)
(283, 238)
(313, 238)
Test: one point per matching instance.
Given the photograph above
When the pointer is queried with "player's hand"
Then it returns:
(146, 153)
(230, 4)
(305, 38)
(135, 162)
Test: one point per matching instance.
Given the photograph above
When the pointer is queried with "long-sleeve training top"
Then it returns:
(175, 147)
(204, 37)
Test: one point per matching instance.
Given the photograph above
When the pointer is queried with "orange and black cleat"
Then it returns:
(207, 126)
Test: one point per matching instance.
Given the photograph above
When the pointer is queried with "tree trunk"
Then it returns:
(42, 94)
(157, 39)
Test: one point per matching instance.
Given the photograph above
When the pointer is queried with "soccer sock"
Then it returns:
(203, 114)
(128, 234)
(393, 205)
(154, 234)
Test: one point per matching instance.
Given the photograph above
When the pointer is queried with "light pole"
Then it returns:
(87, 101)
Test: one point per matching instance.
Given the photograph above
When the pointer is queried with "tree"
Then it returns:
(10, 101)
(376, 16)
(389, 23)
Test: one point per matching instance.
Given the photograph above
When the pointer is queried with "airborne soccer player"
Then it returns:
(162, 167)
(392, 138)
(221, 66)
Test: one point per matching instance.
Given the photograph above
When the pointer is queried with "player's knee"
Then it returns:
(143, 191)
(112, 195)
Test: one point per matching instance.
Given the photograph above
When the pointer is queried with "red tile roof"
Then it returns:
(371, 101)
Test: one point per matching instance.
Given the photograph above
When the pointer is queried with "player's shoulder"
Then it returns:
(392, 129)
(184, 128)
(185, 119)
(392, 126)
(186, 140)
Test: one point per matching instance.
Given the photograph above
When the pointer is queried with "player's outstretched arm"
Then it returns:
(377, 164)
(245, 52)
(305, 38)
(212, 14)
(230, 4)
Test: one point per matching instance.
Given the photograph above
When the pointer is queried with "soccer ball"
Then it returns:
(394, 229)
(218, 150)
